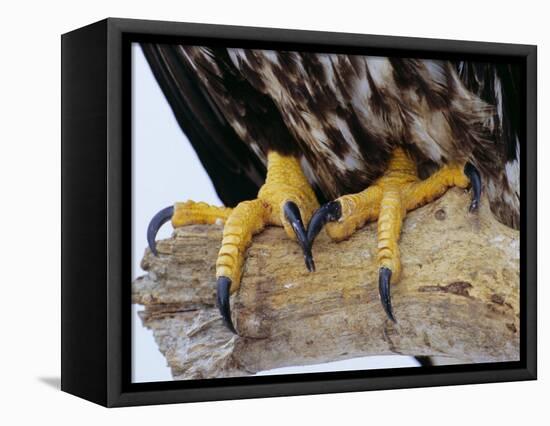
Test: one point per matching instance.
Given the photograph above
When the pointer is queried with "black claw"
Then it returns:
(292, 213)
(156, 222)
(328, 212)
(475, 179)
(222, 294)
(384, 280)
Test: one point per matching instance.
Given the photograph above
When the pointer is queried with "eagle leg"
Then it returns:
(388, 200)
(286, 199)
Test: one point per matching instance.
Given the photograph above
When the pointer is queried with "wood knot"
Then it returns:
(440, 214)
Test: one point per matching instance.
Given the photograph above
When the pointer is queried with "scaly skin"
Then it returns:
(285, 182)
(192, 213)
(389, 199)
(247, 219)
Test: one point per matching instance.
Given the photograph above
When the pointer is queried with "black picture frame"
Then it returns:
(96, 211)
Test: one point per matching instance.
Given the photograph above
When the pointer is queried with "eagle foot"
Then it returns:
(286, 199)
(388, 200)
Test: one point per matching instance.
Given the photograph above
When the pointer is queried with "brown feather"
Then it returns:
(344, 114)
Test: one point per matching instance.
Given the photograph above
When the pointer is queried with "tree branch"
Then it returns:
(458, 296)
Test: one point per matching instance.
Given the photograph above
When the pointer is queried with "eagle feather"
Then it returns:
(342, 115)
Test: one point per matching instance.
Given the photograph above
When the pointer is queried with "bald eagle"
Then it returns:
(310, 140)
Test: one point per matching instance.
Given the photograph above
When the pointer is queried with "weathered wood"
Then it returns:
(458, 296)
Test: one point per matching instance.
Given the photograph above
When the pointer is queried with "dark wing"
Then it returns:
(236, 172)
(500, 85)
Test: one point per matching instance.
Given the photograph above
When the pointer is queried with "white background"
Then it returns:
(30, 179)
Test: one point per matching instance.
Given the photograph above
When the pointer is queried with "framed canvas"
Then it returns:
(254, 212)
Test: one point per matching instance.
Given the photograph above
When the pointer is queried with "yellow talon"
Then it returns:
(285, 182)
(357, 210)
(286, 199)
(247, 219)
(389, 199)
